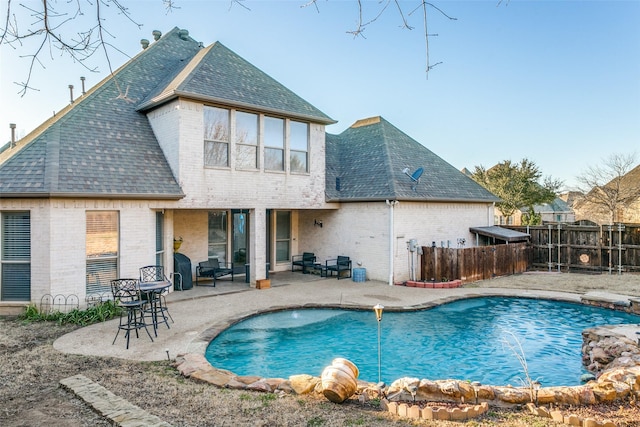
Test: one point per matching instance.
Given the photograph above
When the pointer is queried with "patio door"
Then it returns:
(240, 238)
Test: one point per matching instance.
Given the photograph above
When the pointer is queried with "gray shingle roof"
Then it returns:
(558, 205)
(369, 159)
(101, 146)
(219, 75)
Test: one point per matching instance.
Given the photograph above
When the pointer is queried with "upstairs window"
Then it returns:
(246, 140)
(273, 144)
(299, 146)
(216, 136)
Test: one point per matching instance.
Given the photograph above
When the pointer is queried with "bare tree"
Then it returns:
(76, 29)
(422, 6)
(609, 188)
(79, 29)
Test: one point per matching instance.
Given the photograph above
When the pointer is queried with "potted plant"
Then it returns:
(177, 242)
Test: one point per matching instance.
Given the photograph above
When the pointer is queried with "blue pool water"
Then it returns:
(462, 340)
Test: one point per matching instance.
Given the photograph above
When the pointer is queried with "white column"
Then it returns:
(257, 242)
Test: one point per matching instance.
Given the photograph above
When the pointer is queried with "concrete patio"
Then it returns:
(202, 311)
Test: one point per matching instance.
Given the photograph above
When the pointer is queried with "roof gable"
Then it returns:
(369, 160)
(101, 146)
(219, 75)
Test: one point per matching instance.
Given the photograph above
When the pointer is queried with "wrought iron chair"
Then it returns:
(126, 293)
(156, 294)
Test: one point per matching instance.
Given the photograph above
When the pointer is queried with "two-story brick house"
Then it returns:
(192, 141)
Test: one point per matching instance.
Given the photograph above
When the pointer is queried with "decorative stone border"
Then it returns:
(405, 410)
(572, 420)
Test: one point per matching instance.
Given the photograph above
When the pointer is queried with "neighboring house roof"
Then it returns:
(557, 206)
(367, 162)
(102, 145)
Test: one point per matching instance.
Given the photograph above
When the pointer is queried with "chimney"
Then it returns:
(82, 80)
(144, 43)
(71, 92)
(13, 134)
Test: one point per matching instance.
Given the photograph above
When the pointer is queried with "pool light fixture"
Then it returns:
(378, 308)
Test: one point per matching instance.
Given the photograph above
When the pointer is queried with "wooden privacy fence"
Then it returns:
(471, 264)
(563, 247)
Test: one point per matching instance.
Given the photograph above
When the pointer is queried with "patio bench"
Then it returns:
(304, 261)
(338, 265)
(214, 269)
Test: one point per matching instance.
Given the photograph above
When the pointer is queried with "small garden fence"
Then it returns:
(477, 263)
(562, 247)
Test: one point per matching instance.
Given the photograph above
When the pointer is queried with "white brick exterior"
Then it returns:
(361, 231)
(58, 236)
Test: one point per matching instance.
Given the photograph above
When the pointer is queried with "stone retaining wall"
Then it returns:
(614, 384)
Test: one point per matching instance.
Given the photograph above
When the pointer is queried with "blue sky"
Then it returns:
(557, 82)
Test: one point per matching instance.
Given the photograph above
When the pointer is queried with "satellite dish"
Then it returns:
(415, 176)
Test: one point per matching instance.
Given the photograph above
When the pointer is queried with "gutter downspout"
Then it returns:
(391, 204)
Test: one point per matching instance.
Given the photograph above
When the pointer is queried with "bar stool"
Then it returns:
(126, 294)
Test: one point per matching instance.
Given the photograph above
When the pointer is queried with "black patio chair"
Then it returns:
(214, 269)
(338, 266)
(305, 261)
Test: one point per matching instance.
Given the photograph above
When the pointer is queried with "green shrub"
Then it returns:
(98, 313)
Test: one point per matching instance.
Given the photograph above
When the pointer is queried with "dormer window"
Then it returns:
(216, 136)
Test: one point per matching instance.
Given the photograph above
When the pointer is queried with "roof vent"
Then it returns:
(13, 134)
(183, 34)
(144, 43)
(82, 79)
(71, 93)
(156, 34)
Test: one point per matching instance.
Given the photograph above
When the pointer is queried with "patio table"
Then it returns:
(153, 292)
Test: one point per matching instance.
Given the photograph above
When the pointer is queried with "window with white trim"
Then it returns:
(273, 144)
(15, 256)
(298, 146)
(216, 136)
(246, 139)
(102, 249)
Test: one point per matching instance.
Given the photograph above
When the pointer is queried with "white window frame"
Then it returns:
(102, 267)
(15, 252)
(216, 142)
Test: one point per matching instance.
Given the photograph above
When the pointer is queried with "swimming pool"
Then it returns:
(462, 340)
